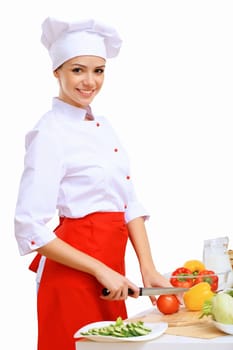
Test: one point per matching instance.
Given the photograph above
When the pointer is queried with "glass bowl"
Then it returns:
(225, 279)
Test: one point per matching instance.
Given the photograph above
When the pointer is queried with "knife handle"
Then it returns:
(106, 292)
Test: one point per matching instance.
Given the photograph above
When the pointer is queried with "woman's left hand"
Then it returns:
(155, 280)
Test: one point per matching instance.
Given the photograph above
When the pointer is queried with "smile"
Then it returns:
(86, 93)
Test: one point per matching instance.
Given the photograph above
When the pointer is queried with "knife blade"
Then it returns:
(152, 291)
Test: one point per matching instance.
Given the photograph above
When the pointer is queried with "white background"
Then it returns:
(169, 94)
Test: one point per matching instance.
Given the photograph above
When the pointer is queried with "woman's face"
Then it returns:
(80, 79)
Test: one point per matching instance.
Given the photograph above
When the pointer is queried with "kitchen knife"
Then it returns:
(152, 291)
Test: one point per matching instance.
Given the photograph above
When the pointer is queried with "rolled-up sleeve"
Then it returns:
(38, 191)
(134, 208)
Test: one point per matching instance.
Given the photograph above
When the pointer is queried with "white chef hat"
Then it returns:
(65, 40)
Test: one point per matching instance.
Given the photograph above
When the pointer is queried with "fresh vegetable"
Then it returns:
(220, 308)
(195, 297)
(195, 266)
(229, 291)
(207, 276)
(120, 329)
(168, 304)
(182, 277)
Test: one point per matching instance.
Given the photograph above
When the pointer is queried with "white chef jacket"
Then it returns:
(72, 166)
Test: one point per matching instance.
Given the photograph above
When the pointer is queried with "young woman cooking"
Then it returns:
(75, 164)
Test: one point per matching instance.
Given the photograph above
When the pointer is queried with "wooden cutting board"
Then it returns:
(181, 318)
(184, 323)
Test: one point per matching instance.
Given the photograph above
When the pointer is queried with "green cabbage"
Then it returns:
(220, 307)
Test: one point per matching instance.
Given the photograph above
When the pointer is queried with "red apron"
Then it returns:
(69, 299)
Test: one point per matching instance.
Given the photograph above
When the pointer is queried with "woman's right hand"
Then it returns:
(116, 284)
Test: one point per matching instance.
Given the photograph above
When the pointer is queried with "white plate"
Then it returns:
(157, 329)
(226, 328)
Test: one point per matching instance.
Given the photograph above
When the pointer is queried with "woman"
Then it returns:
(75, 164)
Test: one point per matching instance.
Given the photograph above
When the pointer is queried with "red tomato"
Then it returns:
(168, 304)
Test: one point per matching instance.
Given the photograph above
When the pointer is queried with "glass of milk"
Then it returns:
(216, 258)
